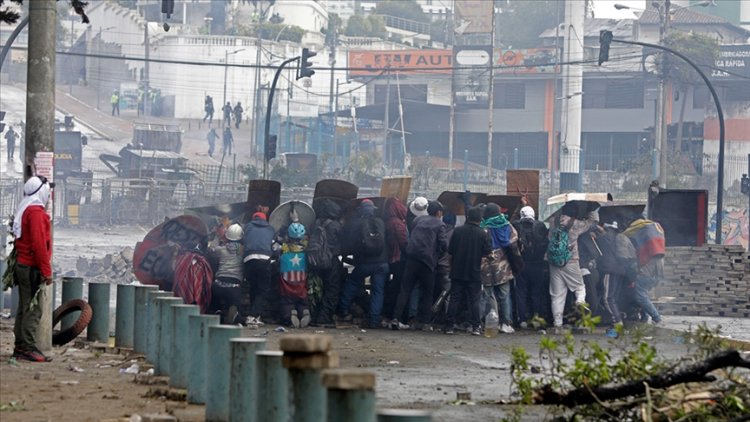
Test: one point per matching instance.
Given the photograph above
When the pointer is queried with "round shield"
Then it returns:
(280, 217)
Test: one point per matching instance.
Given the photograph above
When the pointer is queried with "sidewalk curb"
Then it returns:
(742, 345)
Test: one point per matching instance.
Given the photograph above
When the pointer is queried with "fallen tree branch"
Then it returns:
(697, 372)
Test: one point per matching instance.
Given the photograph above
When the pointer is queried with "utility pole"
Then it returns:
(386, 123)
(491, 106)
(70, 61)
(40, 119)
(146, 77)
(570, 165)
(660, 131)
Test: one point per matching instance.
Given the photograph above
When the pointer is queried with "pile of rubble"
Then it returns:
(114, 268)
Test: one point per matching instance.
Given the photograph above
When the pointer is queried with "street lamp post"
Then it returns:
(226, 67)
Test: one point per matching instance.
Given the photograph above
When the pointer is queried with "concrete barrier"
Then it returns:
(164, 350)
(154, 325)
(305, 356)
(218, 370)
(72, 288)
(98, 328)
(243, 379)
(124, 318)
(273, 397)
(351, 395)
(198, 345)
(178, 366)
(140, 318)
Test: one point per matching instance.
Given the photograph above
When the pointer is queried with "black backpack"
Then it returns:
(372, 237)
(319, 251)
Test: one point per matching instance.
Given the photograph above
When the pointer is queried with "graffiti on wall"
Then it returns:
(734, 229)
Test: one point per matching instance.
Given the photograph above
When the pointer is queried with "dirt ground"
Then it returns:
(414, 370)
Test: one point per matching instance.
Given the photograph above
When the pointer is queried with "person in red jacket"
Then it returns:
(33, 245)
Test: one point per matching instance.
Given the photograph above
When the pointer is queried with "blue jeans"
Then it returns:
(378, 274)
(498, 295)
(641, 297)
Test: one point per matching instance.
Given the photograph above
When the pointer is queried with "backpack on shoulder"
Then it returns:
(319, 251)
(373, 239)
(558, 249)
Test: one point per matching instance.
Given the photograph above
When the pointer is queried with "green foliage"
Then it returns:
(269, 31)
(701, 49)
(371, 26)
(521, 22)
(406, 9)
(565, 364)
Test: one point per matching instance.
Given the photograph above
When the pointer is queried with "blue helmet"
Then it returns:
(296, 231)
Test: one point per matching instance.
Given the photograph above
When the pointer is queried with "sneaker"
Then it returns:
(305, 321)
(611, 333)
(253, 322)
(448, 331)
(398, 325)
(477, 331)
(385, 324)
(507, 329)
(524, 325)
(32, 355)
(427, 327)
(344, 318)
(294, 319)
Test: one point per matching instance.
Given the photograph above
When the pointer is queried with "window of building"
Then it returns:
(613, 93)
(700, 97)
(510, 95)
(414, 92)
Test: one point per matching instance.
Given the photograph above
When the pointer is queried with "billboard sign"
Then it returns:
(525, 61)
(472, 75)
(733, 62)
(371, 62)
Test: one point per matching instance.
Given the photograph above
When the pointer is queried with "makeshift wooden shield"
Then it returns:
(152, 258)
(280, 217)
(263, 193)
(334, 188)
(454, 204)
(509, 204)
(396, 187)
(524, 182)
(621, 212)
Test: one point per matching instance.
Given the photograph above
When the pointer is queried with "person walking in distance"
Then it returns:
(228, 140)
(227, 110)
(33, 244)
(211, 137)
(258, 249)
(10, 137)
(238, 114)
(115, 101)
(208, 107)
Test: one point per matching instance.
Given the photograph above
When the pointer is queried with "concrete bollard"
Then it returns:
(178, 366)
(218, 371)
(72, 288)
(124, 315)
(98, 329)
(198, 344)
(351, 395)
(305, 356)
(140, 318)
(404, 415)
(273, 398)
(53, 300)
(166, 325)
(243, 378)
(154, 325)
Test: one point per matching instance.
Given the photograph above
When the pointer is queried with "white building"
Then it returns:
(343, 8)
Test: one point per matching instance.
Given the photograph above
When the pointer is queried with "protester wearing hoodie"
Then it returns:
(33, 270)
(618, 264)
(258, 249)
(569, 277)
(532, 284)
(364, 237)
(396, 237)
(496, 270)
(427, 243)
(328, 213)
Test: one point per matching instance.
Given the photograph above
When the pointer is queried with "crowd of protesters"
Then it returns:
(421, 267)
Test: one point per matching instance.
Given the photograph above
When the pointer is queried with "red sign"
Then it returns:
(531, 60)
(363, 63)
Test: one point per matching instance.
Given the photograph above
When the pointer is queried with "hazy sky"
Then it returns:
(606, 8)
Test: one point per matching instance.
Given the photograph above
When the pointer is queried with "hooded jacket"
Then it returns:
(394, 215)
(353, 237)
(34, 248)
(329, 211)
(258, 238)
(427, 241)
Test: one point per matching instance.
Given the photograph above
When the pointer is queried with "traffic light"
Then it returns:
(167, 7)
(271, 147)
(605, 39)
(305, 64)
(2, 123)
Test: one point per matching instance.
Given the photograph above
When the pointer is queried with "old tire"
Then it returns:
(63, 337)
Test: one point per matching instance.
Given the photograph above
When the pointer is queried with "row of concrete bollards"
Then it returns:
(234, 376)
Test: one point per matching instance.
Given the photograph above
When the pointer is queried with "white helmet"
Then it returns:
(234, 232)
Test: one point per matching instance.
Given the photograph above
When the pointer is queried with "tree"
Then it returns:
(702, 50)
(407, 9)
(9, 16)
(372, 26)
(521, 22)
